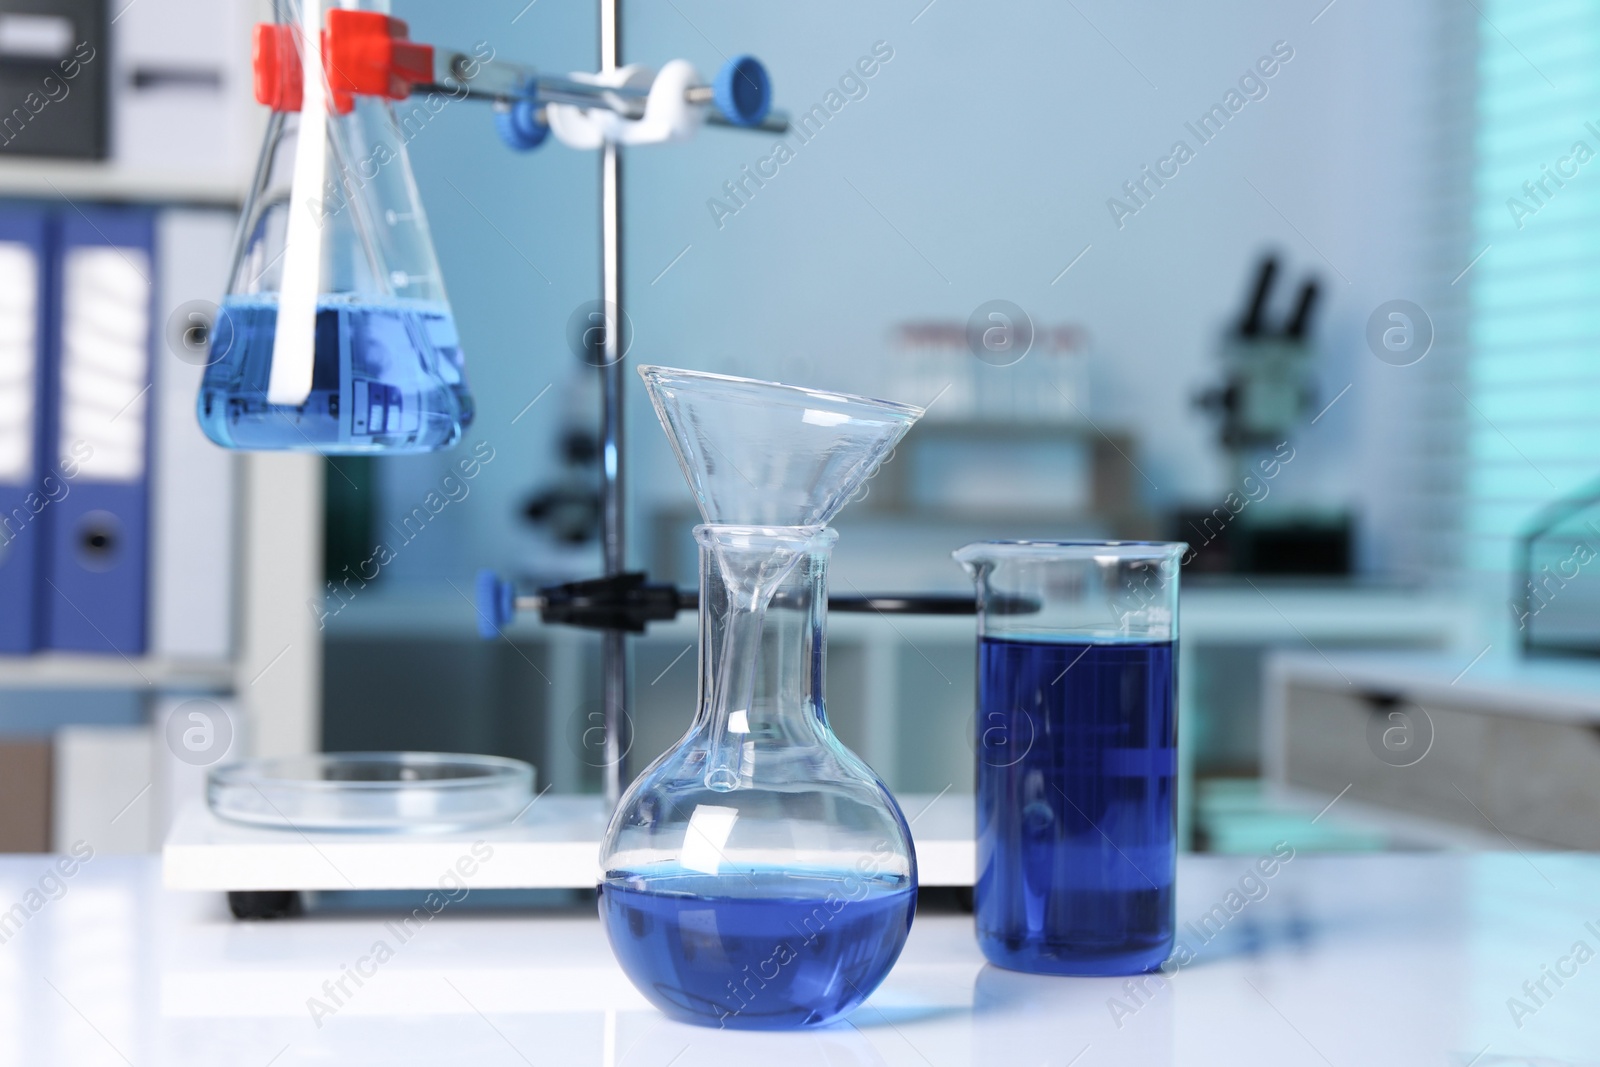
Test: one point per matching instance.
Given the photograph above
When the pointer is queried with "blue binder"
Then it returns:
(96, 571)
(24, 495)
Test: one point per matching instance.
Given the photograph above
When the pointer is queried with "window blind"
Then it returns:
(1528, 422)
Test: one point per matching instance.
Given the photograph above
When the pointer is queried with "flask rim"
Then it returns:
(739, 535)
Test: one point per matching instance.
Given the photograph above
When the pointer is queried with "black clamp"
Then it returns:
(626, 602)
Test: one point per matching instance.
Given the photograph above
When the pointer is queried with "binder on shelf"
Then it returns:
(96, 571)
(24, 492)
(191, 480)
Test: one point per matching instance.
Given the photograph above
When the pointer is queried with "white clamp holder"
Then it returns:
(668, 114)
(628, 106)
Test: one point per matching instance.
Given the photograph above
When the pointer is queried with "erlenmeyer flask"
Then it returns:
(759, 875)
(335, 334)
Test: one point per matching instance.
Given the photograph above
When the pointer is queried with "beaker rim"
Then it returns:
(1069, 549)
(910, 412)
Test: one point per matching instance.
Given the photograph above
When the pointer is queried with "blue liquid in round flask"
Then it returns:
(758, 875)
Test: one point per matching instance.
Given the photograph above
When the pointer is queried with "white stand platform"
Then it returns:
(554, 845)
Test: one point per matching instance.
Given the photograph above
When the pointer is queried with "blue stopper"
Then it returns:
(519, 126)
(742, 91)
(496, 603)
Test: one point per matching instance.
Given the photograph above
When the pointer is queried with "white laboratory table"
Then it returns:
(1347, 961)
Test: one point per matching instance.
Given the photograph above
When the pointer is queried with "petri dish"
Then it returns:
(371, 792)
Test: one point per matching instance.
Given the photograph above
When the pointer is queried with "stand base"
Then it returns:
(554, 845)
(274, 904)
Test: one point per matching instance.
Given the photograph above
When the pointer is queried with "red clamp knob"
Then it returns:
(368, 54)
(365, 53)
(277, 67)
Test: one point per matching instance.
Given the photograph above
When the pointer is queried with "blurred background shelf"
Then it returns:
(899, 688)
(59, 670)
(55, 180)
(1503, 748)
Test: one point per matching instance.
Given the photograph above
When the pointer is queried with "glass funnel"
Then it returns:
(1077, 753)
(335, 334)
(764, 454)
(781, 896)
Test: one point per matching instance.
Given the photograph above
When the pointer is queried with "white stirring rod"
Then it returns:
(294, 345)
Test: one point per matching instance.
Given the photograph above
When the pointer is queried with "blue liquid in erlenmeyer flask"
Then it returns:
(388, 376)
(1077, 809)
(777, 959)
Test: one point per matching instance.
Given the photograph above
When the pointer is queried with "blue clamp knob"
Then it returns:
(519, 126)
(496, 604)
(742, 91)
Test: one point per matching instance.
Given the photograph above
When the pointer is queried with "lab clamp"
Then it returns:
(368, 53)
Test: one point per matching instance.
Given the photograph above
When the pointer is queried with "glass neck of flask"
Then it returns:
(763, 603)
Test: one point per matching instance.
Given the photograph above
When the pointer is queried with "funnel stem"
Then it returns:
(751, 570)
(742, 643)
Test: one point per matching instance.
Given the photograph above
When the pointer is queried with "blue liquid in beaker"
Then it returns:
(777, 959)
(388, 376)
(1077, 770)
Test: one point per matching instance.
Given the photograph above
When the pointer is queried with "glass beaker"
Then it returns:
(335, 334)
(774, 889)
(1076, 737)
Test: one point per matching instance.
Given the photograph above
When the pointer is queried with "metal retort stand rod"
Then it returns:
(614, 648)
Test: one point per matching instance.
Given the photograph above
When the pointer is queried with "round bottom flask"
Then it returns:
(758, 875)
